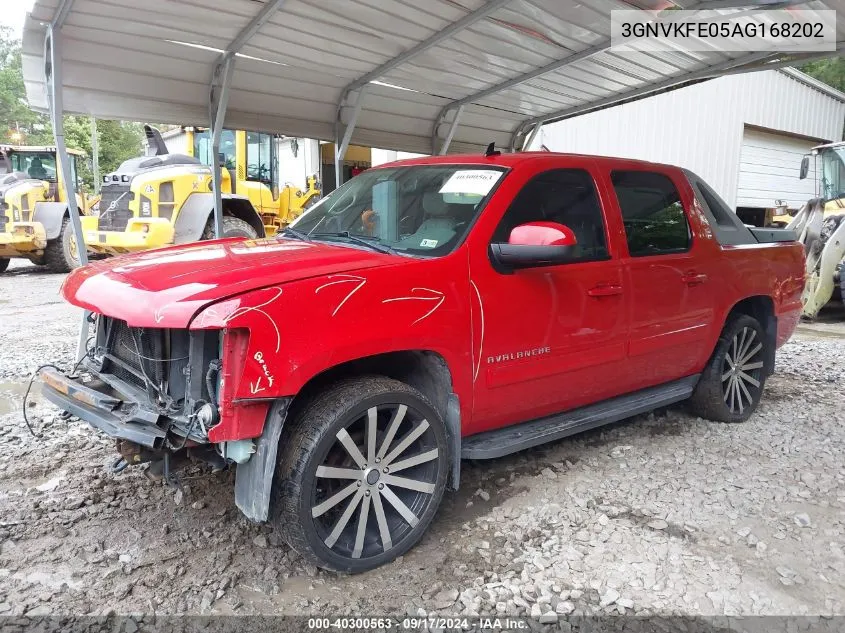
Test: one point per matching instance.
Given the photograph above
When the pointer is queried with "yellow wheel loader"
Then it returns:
(820, 226)
(252, 162)
(34, 215)
(163, 199)
(154, 201)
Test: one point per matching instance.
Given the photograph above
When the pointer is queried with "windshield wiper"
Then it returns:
(297, 234)
(371, 243)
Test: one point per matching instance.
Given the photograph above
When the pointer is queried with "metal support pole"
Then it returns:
(534, 132)
(451, 133)
(338, 161)
(95, 154)
(53, 82)
(254, 25)
(218, 101)
(341, 147)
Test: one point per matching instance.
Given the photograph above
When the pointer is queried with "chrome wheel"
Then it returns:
(360, 506)
(742, 371)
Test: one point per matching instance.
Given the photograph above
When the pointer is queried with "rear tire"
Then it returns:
(4, 264)
(61, 254)
(232, 227)
(730, 386)
(336, 499)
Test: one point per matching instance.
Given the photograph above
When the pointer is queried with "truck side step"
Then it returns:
(493, 444)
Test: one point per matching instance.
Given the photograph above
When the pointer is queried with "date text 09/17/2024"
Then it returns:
(420, 623)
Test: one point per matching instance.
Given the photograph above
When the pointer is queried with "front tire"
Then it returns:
(61, 254)
(4, 264)
(232, 227)
(336, 497)
(730, 386)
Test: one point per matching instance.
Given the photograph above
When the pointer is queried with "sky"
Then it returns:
(13, 12)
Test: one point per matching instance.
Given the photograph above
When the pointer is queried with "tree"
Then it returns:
(17, 121)
(19, 125)
(118, 141)
(831, 71)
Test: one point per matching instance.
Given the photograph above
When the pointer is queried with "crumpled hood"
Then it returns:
(165, 288)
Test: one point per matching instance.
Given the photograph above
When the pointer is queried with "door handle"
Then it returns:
(694, 279)
(605, 290)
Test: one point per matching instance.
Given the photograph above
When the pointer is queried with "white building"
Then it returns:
(744, 134)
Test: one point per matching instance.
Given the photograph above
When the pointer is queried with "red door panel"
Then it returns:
(670, 319)
(548, 345)
(671, 293)
(551, 338)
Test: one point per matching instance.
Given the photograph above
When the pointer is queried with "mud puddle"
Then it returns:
(12, 394)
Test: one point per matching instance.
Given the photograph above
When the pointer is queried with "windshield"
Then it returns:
(422, 210)
(40, 165)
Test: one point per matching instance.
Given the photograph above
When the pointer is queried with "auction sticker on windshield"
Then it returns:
(472, 181)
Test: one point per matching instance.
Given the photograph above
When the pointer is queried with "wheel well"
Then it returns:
(242, 209)
(424, 370)
(761, 308)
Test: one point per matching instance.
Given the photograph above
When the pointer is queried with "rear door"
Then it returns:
(669, 279)
(549, 338)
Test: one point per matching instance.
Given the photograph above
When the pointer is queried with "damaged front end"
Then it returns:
(158, 391)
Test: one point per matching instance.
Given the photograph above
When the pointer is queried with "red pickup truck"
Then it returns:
(427, 311)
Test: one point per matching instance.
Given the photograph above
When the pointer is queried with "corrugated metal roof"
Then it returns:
(509, 63)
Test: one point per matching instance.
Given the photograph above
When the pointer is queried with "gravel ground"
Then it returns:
(661, 514)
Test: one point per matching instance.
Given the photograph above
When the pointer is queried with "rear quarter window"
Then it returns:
(727, 227)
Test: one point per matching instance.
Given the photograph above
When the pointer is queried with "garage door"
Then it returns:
(768, 170)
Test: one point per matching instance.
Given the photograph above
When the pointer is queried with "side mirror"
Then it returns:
(535, 244)
(805, 167)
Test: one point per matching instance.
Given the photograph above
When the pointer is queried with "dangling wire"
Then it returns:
(26, 396)
(89, 353)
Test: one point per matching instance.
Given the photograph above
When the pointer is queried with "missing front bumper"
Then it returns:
(121, 418)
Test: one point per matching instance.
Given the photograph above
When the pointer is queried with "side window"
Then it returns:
(258, 157)
(566, 196)
(654, 218)
(227, 149)
(203, 147)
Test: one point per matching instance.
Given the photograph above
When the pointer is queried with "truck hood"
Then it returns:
(165, 288)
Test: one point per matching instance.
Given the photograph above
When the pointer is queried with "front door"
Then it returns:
(551, 338)
(670, 282)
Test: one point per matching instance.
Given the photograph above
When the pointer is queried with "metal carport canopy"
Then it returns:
(297, 67)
